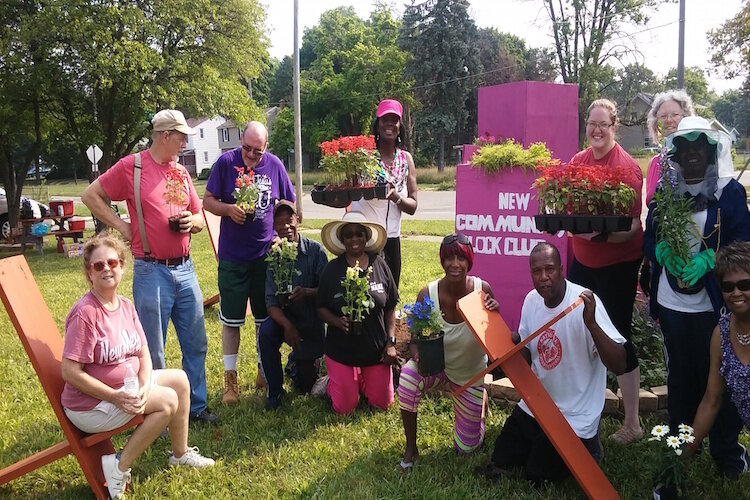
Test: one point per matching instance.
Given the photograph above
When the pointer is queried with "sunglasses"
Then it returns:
(729, 286)
(461, 238)
(352, 234)
(99, 265)
(251, 150)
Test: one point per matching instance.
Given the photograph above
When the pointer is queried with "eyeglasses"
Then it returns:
(252, 150)
(601, 126)
(347, 235)
(670, 116)
(729, 286)
(461, 238)
(99, 265)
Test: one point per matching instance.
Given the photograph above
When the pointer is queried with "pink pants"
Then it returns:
(346, 382)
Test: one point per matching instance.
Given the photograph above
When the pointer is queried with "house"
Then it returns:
(633, 134)
(229, 136)
(203, 148)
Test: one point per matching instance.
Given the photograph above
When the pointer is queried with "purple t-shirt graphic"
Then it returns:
(243, 243)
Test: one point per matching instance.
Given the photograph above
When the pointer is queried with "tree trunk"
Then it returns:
(441, 152)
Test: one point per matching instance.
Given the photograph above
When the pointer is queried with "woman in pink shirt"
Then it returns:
(607, 263)
(106, 366)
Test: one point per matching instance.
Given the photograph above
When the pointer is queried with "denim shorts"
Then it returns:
(105, 416)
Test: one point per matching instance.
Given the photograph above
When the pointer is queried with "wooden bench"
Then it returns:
(43, 343)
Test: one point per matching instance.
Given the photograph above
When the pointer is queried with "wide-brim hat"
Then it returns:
(331, 233)
(690, 128)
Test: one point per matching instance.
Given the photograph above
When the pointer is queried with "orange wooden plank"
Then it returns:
(493, 333)
(35, 461)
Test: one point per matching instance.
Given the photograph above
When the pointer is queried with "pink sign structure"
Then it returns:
(497, 210)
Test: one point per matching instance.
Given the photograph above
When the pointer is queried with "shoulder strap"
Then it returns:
(138, 207)
(432, 291)
(477, 284)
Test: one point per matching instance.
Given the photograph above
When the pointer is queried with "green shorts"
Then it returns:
(237, 284)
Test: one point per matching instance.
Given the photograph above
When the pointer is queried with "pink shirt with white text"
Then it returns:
(105, 342)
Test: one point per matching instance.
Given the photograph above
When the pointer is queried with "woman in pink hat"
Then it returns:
(398, 169)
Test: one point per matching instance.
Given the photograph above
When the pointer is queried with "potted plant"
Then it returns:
(246, 191)
(352, 171)
(281, 261)
(425, 324)
(583, 198)
(673, 215)
(669, 471)
(175, 196)
(356, 295)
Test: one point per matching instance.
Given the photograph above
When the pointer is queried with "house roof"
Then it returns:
(192, 122)
(226, 124)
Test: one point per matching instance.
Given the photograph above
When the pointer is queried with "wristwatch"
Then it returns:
(391, 341)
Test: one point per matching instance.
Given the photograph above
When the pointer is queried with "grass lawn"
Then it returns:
(303, 450)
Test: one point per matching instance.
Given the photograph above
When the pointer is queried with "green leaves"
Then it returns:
(281, 259)
(357, 298)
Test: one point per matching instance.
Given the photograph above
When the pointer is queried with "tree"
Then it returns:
(441, 37)
(281, 83)
(630, 81)
(587, 34)
(732, 109)
(24, 84)
(118, 63)
(696, 84)
(282, 134)
(731, 44)
(350, 65)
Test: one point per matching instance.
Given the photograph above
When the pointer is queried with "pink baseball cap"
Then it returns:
(389, 106)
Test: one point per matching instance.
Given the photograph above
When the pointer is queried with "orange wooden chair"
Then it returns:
(213, 226)
(43, 343)
(495, 336)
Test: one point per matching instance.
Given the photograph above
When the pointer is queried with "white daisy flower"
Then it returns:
(687, 438)
(685, 429)
(673, 441)
(660, 430)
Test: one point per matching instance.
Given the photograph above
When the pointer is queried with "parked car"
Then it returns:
(43, 171)
(36, 207)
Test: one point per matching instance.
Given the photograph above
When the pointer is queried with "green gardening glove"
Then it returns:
(665, 258)
(698, 266)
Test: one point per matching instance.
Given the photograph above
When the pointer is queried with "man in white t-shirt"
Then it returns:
(571, 359)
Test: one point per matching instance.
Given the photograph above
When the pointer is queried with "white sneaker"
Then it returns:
(116, 480)
(319, 388)
(191, 458)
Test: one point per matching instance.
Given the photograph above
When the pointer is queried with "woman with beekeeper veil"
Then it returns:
(697, 209)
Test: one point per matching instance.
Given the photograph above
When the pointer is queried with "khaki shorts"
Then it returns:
(105, 416)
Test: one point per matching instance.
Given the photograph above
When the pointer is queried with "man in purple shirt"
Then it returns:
(244, 240)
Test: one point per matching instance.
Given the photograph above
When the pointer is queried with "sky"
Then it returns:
(528, 20)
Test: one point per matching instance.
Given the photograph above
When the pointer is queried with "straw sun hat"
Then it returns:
(331, 233)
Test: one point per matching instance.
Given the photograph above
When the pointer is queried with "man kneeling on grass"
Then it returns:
(297, 323)
(571, 359)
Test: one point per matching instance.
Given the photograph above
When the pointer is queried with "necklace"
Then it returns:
(742, 338)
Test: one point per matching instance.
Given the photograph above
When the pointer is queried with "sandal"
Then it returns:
(625, 436)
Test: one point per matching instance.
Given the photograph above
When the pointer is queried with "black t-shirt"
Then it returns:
(365, 349)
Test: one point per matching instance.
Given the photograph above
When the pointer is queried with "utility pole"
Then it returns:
(297, 119)
(681, 49)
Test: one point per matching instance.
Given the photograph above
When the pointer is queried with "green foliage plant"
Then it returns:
(673, 215)
(498, 157)
(281, 259)
(356, 294)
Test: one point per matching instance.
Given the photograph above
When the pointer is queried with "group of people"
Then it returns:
(107, 335)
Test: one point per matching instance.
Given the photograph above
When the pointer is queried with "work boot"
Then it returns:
(231, 389)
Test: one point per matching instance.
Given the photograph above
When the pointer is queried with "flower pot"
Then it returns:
(318, 194)
(249, 217)
(368, 193)
(355, 327)
(355, 194)
(380, 191)
(577, 224)
(174, 223)
(431, 356)
(283, 299)
(666, 493)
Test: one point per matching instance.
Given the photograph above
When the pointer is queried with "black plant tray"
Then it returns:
(337, 196)
(576, 224)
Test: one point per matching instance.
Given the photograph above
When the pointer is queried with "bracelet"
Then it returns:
(398, 202)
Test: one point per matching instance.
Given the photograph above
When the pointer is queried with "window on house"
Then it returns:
(239, 134)
(200, 130)
(225, 135)
(633, 117)
(205, 157)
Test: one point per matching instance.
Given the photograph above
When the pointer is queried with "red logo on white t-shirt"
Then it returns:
(549, 349)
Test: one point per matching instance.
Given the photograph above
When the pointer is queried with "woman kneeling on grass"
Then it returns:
(104, 345)
(464, 355)
(730, 343)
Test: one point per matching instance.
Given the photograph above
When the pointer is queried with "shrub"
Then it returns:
(496, 157)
